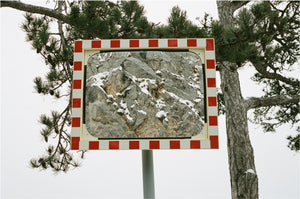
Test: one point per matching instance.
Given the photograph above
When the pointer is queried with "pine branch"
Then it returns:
(34, 9)
(256, 102)
(63, 39)
(238, 4)
(262, 70)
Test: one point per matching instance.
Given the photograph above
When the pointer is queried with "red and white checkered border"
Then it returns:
(204, 44)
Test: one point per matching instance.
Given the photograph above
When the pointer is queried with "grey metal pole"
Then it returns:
(148, 174)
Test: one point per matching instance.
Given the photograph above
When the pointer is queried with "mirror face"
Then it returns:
(144, 94)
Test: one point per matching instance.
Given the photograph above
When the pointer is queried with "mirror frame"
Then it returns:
(84, 49)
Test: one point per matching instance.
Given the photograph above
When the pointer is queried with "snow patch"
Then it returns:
(160, 104)
(99, 79)
(124, 109)
(178, 76)
(144, 86)
(158, 72)
(161, 114)
(198, 68)
(197, 86)
(250, 171)
(195, 77)
(197, 100)
(116, 69)
(115, 104)
(110, 96)
(143, 83)
(120, 110)
(183, 101)
(142, 111)
(103, 57)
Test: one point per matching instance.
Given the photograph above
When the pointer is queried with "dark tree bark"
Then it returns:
(243, 177)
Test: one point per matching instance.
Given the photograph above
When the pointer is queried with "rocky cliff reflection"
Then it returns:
(144, 94)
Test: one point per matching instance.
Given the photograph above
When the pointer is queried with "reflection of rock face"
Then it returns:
(144, 94)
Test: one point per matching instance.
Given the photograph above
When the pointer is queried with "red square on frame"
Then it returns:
(77, 84)
(153, 43)
(214, 141)
(96, 44)
(195, 144)
(210, 44)
(78, 47)
(192, 42)
(212, 101)
(115, 43)
(172, 43)
(174, 144)
(134, 144)
(76, 122)
(134, 43)
(93, 145)
(77, 65)
(76, 103)
(113, 144)
(213, 120)
(211, 82)
(154, 144)
(210, 64)
(75, 143)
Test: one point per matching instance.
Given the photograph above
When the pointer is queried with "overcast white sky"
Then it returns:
(118, 174)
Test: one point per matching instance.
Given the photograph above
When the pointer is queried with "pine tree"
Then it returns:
(268, 39)
(263, 35)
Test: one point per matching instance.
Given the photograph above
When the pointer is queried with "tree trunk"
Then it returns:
(244, 181)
